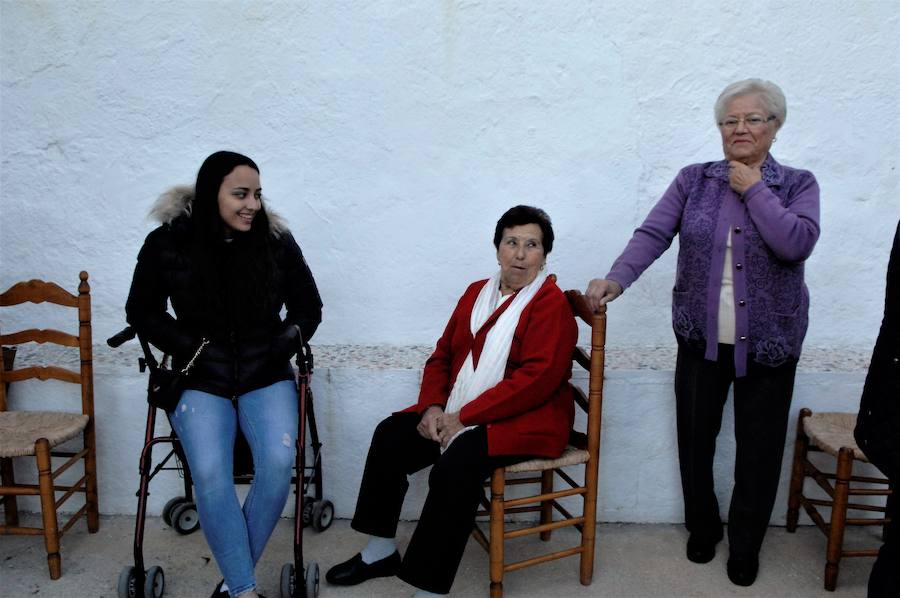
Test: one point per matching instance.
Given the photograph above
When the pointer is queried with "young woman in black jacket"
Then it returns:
(227, 267)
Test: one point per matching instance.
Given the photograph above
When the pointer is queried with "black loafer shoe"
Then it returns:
(354, 571)
(702, 549)
(219, 592)
(742, 570)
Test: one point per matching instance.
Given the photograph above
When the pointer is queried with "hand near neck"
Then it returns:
(743, 176)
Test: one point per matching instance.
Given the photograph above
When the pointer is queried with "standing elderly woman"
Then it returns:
(228, 266)
(494, 392)
(739, 311)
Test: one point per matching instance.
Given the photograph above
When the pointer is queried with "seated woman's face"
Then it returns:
(521, 255)
(239, 198)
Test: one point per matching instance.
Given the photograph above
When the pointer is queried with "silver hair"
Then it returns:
(769, 94)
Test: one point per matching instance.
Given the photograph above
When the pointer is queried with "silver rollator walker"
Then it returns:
(137, 581)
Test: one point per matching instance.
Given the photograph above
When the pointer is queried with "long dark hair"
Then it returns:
(240, 274)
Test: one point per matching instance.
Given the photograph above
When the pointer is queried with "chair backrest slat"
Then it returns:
(581, 399)
(580, 306)
(37, 291)
(41, 372)
(41, 336)
(581, 358)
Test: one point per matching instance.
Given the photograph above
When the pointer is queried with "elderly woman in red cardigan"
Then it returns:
(494, 392)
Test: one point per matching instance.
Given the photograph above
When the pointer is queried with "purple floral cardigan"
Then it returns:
(774, 227)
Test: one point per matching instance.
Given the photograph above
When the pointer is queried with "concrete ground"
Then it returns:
(632, 560)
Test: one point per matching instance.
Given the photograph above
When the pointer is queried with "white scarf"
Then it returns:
(471, 382)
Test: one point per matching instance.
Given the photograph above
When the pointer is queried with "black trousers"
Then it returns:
(455, 486)
(884, 580)
(762, 401)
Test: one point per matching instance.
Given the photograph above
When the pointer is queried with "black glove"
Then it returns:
(287, 343)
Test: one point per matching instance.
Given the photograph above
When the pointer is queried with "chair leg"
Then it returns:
(589, 529)
(48, 507)
(546, 506)
(801, 449)
(838, 517)
(498, 482)
(10, 505)
(90, 472)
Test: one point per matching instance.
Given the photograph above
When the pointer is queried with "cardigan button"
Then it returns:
(737, 230)
(739, 266)
(742, 303)
(742, 338)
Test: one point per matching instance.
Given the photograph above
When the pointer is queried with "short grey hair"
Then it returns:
(770, 94)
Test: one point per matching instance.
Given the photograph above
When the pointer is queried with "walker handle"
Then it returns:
(121, 337)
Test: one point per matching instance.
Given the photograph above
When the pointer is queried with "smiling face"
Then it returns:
(239, 199)
(747, 143)
(521, 255)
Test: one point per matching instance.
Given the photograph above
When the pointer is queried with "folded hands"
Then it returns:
(439, 426)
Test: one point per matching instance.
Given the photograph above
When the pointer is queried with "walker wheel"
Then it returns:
(170, 506)
(308, 503)
(154, 583)
(185, 519)
(312, 580)
(322, 515)
(127, 582)
(288, 582)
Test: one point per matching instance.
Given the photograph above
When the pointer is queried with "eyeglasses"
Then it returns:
(753, 121)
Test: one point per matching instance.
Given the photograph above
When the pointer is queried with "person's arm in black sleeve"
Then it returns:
(304, 306)
(145, 309)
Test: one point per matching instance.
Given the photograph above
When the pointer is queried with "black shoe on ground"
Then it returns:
(742, 570)
(354, 571)
(219, 592)
(701, 548)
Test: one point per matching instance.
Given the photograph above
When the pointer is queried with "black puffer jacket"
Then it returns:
(249, 347)
(878, 423)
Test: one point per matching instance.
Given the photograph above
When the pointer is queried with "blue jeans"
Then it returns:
(207, 425)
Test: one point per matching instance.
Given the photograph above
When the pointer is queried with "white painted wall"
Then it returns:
(392, 135)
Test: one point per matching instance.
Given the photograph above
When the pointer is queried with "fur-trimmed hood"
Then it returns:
(177, 202)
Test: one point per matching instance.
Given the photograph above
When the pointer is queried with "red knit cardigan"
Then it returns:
(529, 412)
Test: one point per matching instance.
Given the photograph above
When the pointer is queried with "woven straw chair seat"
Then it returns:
(570, 456)
(833, 431)
(19, 430)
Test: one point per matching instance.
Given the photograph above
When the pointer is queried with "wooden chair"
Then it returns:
(832, 433)
(583, 451)
(37, 433)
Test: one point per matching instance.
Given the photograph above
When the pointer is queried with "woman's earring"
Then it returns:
(774, 139)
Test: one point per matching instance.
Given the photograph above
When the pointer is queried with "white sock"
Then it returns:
(378, 548)
(425, 594)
